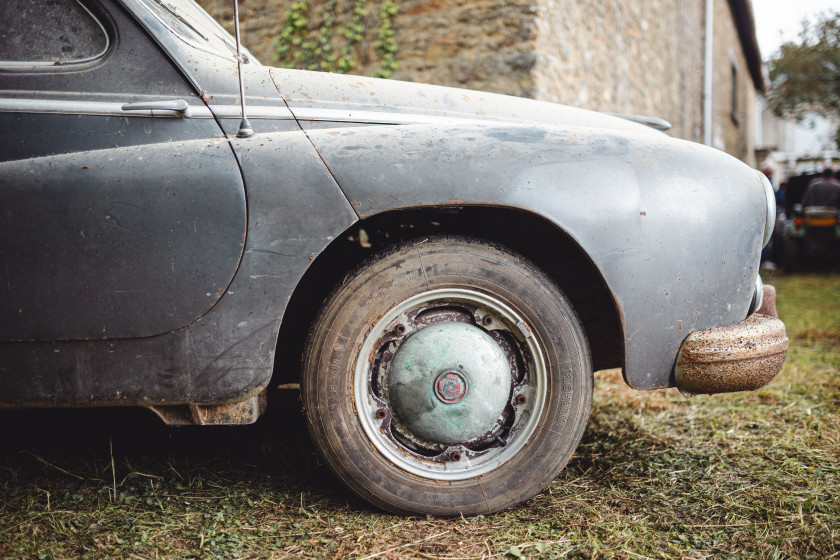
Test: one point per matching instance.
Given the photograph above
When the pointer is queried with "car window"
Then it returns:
(190, 23)
(49, 32)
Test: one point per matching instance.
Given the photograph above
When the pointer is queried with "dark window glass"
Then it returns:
(194, 26)
(48, 32)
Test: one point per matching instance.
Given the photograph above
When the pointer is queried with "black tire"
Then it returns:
(385, 318)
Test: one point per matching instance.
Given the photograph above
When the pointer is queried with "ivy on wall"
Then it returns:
(338, 47)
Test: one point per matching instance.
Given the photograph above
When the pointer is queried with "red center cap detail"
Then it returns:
(450, 387)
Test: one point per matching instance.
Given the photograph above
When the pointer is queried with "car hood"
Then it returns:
(322, 96)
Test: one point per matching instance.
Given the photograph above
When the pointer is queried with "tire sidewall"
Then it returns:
(382, 283)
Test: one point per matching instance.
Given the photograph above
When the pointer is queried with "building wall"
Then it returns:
(642, 58)
(625, 57)
(486, 45)
(732, 131)
(477, 44)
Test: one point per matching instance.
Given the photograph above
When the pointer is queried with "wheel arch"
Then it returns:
(555, 252)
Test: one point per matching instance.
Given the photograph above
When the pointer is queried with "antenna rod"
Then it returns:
(245, 130)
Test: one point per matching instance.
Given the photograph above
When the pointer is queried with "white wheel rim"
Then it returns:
(469, 463)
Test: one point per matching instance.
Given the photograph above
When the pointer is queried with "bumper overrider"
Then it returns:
(739, 357)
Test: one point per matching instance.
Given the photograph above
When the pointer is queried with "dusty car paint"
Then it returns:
(633, 212)
(673, 228)
(149, 238)
(226, 355)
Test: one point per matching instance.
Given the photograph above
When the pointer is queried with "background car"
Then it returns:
(806, 234)
(441, 269)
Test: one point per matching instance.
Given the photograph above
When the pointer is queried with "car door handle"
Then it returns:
(179, 106)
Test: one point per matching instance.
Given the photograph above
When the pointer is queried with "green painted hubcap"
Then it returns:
(449, 382)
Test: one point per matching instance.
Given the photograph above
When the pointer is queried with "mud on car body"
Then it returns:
(450, 265)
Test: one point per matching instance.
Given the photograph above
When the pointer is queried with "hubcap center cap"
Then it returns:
(450, 387)
(449, 383)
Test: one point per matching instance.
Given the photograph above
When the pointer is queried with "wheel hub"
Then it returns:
(450, 387)
(449, 383)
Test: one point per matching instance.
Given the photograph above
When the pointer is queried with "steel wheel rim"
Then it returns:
(452, 462)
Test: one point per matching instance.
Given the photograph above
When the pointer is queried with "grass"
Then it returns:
(749, 475)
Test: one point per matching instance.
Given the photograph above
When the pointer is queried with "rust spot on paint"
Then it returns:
(642, 213)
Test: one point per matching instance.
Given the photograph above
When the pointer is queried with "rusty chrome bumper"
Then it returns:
(739, 357)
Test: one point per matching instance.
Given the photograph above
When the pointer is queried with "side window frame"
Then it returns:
(134, 65)
(102, 20)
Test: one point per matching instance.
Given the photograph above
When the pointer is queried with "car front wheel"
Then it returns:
(447, 376)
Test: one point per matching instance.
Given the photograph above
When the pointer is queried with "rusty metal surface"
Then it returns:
(768, 302)
(230, 414)
(740, 357)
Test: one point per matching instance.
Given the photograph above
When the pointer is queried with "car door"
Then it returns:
(122, 208)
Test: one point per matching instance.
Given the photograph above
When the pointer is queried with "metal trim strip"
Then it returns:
(379, 117)
(254, 112)
(99, 108)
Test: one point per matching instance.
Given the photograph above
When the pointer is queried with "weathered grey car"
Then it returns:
(441, 269)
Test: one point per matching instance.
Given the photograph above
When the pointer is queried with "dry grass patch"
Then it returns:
(752, 475)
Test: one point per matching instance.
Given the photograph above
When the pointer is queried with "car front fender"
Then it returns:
(675, 228)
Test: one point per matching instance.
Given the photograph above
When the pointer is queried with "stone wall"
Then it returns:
(625, 57)
(608, 55)
(487, 45)
(261, 21)
(477, 44)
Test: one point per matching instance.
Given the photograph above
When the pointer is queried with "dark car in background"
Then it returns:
(805, 235)
(441, 269)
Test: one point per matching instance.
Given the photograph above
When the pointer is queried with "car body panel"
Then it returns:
(149, 237)
(645, 221)
(673, 228)
(228, 354)
(115, 223)
(317, 97)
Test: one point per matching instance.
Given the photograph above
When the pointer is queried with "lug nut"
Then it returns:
(455, 455)
(487, 320)
(381, 414)
(400, 329)
(521, 399)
